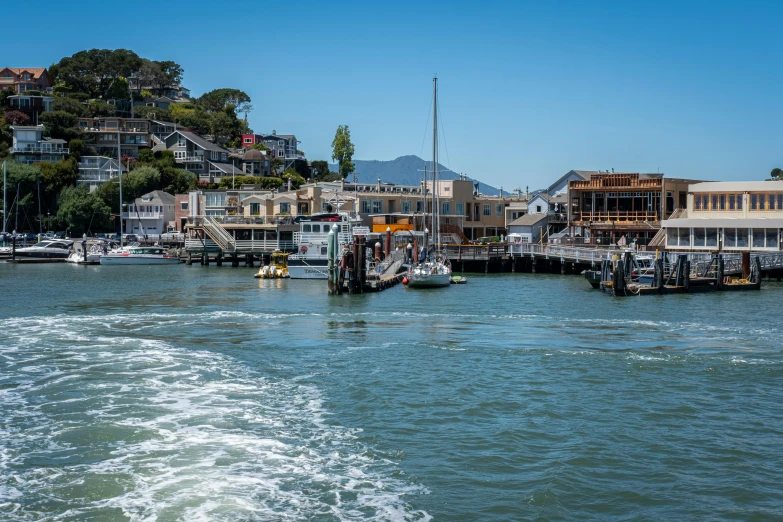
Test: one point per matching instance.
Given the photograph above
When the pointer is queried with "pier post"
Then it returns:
(387, 243)
(219, 260)
(330, 253)
(205, 259)
(249, 260)
(745, 265)
(13, 243)
(234, 260)
(719, 275)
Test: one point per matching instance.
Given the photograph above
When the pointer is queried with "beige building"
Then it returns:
(729, 215)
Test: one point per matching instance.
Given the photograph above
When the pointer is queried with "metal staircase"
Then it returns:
(218, 234)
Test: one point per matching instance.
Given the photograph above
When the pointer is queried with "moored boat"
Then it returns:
(139, 255)
(58, 249)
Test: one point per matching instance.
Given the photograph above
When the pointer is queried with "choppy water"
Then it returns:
(174, 393)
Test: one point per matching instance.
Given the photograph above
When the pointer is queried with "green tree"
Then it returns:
(98, 108)
(259, 146)
(776, 173)
(96, 72)
(61, 125)
(146, 156)
(176, 181)
(76, 146)
(219, 99)
(238, 181)
(82, 211)
(296, 179)
(320, 170)
(152, 113)
(70, 105)
(343, 150)
(140, 181)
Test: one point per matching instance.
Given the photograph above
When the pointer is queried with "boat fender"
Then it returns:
(303, 250)
(405, 280)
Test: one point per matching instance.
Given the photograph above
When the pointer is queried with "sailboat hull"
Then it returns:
(423, 280)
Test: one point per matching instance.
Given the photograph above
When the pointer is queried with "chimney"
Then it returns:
(501, 192)
(379, 185)
(342, 184)
(289, 184)
(274, 132)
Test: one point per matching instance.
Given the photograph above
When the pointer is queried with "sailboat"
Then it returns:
(431, 269)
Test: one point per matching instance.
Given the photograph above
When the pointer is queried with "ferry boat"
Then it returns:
(310, 260)
(139, 255)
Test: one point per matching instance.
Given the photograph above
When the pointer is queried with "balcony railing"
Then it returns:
(142, 215)
(190, 159)
(103, 128)
(615, 216)
(41, 150)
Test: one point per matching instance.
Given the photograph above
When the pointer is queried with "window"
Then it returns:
(445, 208)
(739, 201)
(459, 208)
(406, 206)
(712, 237)
(284, 207)
(365, 206)
(248, 140)
(538, 209)
(758, 238)
(697, 202)
(699, 237)
(377, 206)
(499, 209)
(772, 238)
(723, 201)
(488, 209)
(183, 205)
(419, 207)
(729, 237)
(732, 201)
(182, 142)
(684, 236)
(754, 201)
(307, 228)
(216, 200)
(742, 238)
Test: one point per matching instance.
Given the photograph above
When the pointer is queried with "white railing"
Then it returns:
(42, 150)
(251, 245)
(190, 159)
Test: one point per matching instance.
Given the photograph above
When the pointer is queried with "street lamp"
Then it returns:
(48, 220)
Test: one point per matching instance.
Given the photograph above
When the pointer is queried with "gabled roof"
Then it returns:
(543, 195)
(254, 155)
(37, 72)
(164, 197)
(198, 140)
(527, 220)
(227, 168)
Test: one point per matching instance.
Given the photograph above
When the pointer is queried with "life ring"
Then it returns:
(303, 250)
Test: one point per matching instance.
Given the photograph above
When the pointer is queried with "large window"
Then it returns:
(365, 206)
(377, 206)
(765, 238)
(216, 199)
(420, 206)
(459, 208)
(285, 207)
(487, 209)
(406, 206)
(684, 236)
(499, 209)
(445, 208)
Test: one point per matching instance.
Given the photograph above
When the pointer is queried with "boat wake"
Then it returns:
(100, 426)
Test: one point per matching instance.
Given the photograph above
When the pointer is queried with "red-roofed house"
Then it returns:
(22, 79)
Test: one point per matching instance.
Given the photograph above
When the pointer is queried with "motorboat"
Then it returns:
(139, 255)
(95, 250)
(48, 249)
(277, 267)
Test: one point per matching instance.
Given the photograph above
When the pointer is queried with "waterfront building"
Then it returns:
(94, 171)
(253, 162)
(21, 79)
(531, 227)
(728, 216)
(30, 146)
(609, 207)
(151, 214)
(103, 134)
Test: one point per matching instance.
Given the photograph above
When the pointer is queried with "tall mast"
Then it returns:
(424, 188)
(435, 191)
(5, 207)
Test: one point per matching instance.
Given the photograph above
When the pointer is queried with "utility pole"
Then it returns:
(40, 216)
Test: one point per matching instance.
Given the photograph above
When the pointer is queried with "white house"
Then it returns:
(151, 214)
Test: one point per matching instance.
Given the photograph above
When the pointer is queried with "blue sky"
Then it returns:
(528, 90)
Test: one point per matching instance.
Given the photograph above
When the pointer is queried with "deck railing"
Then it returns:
(615, 216)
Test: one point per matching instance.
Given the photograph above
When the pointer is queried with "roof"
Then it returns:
(227, 168)
(168, 123)
(164, 197)
(253, 155)
(527, 220)
(201, 142)
(542, 195)
(737, 186)
(35, 71)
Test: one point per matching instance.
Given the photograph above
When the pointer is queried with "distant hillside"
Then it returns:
(405, 170)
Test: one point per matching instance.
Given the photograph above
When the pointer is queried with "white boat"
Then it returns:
(432, 268)
(310, 260)
(49, 249)
(139, 255)
(94, 253)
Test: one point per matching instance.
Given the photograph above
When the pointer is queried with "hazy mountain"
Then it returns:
(405, 170)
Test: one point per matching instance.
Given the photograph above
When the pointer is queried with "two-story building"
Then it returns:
(150, 215)
(105, 133)
(94, 171)
(254, 162)
(21, 79)
(610, 206)
(201, 157)
(728, 216)
(30, 146)
(30, 104)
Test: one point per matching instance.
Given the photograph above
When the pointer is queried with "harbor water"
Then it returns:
(166, 393)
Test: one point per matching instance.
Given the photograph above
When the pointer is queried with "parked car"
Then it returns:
(131, 237)
(59, 235)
